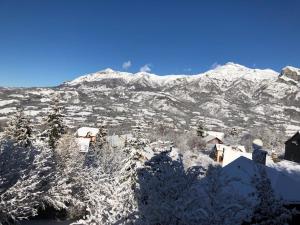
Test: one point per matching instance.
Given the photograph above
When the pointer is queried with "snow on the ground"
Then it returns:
(8, 110)
(243, 169)
(7, 102)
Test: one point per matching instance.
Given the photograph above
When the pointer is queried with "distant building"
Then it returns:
(212, 138)
(258, 155)
(292, 148)
(87, 132)
(83, 144)
(219, 150)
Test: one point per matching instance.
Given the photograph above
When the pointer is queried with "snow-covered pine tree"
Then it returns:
(56, 190)
(25, 179)
(218, 205)
(269, 209)
(201, 129)
(139, 141)
(19, 130)
(54, 126)
(98, 191)
(124, 208)
(101, 137)
(162, 183)
(69, 185)
(98, 150)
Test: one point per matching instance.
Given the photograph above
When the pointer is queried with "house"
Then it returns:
(87, 132)
(292, 148)
(211, 138)
(219, 150)
(83, 144)
(258, 154)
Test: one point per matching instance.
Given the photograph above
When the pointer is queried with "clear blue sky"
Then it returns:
(45, 42)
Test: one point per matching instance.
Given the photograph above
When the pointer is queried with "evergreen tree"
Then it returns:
(124, 208)
(220, 206)
(270, 209)
(54, 123)
(162, 181)
(19, 130)
(24, 180)
(201, 129)
(101, 140)
(139, 140)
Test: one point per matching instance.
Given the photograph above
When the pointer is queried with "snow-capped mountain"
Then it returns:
(229, 95)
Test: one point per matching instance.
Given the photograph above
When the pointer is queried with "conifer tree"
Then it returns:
(270, 209)
(54, 123)
(201, 129)
(25, 178)
(101, 139)
(19, 130)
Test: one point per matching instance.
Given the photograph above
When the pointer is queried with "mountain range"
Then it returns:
(227, 96)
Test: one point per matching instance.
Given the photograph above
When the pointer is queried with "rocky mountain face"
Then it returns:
(227, 96)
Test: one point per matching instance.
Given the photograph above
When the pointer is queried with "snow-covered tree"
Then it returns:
(219, 205)
(139, 140)
(98, 191)
(272, 139)
(124, 209)
(110, 196)
(101, 137)
(269, 209)
(54, 126)
(18, 129)
(99, 151)
(201, 129)
(70, 176)
(24, 180)
(162, 187)
(232, 136)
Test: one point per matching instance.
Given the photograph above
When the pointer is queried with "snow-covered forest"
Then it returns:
(42, 172)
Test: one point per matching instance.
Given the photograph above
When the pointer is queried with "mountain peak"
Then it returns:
(290, 73)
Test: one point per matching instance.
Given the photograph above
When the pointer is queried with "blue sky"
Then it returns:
(43, 43)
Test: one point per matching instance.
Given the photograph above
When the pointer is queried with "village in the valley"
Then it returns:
(236, 160)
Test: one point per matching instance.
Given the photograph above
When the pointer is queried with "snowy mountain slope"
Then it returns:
(229, 95)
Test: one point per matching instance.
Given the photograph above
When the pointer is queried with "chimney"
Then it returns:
(258, 154)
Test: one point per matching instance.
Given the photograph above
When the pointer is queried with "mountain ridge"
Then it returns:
(226, 96)
(110, 73)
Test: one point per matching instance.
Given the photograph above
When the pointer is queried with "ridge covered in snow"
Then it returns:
(229, 72)
(226, 96)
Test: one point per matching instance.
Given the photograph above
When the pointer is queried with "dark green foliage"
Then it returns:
(54, 124)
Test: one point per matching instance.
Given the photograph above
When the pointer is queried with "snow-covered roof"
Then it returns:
(285, 186)
(230, 155)
(83, 131)
(209, 138)
(83, 144)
